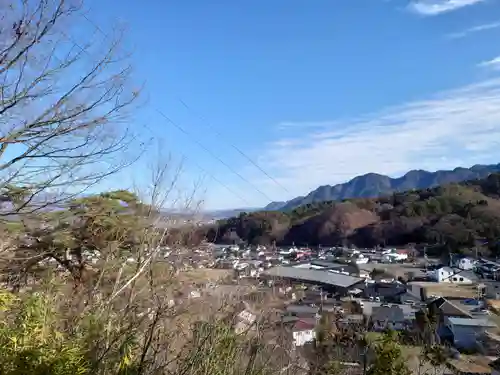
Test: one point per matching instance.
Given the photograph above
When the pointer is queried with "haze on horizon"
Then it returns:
(267, 101)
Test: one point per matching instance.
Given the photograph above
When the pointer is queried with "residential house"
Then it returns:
(453, 275)
(301, 310)
(384, 317)
(417, 290)
(351, 320)
(444, 308)
(467, 332)
(490, 289)
(465, 263)
(394, 257)
(389, 292)
(303, 331)
(408, 298)
(464, 277)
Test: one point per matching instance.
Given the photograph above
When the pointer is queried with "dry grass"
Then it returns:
(470, 364)
(203, 275)
(394, 269)
(494, 304)
(448, 290)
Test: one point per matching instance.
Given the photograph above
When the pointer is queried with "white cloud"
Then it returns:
(435, 7)
(457, 128)
(491, 64)
(472, 30)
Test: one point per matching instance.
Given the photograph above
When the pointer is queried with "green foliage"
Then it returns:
(388, 357)
(30, 343)
(109, 224)
(40, 336)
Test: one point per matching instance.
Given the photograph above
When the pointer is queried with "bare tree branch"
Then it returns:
(64, 107)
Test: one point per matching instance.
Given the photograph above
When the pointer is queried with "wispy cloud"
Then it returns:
(491, 64)
(459, 127)
(435, 7)
(472, 30)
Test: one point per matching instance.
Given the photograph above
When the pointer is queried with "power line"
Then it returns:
(183, 130)
(210, 175)
(249, 159)
(221, 183)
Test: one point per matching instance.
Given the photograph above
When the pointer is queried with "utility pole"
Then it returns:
(365, 351)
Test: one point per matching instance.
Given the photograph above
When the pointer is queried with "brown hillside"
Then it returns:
(334, 224)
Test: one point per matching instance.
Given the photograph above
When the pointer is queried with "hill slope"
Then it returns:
(374, 185)
(456, 216)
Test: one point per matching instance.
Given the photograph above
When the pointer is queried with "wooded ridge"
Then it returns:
(457, 216)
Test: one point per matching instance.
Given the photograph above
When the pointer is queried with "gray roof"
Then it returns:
(313, 276)
(369, 308)
(327, 264)
(449, 308)
(301, 309)
(471, 322)
(469, 274)
(390, 314)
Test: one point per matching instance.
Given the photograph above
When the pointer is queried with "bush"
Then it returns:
(31, 342)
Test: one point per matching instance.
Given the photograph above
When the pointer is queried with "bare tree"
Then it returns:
(63, 105)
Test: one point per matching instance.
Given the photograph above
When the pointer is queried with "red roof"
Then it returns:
(302, 325)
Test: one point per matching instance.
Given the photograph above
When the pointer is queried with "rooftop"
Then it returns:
(313, 276)
(471, 322)
(392, 314)
(369, 308)
(450, 309)
(301, 309)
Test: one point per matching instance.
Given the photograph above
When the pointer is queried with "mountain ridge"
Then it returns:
(373, 185)
(453, 218)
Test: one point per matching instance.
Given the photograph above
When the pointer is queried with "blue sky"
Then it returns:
(313, 92)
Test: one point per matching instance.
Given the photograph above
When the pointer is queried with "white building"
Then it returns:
(300, 338)
(364, 274)
(394, 257)
(361, 259)
(466, 263)
(453, 275)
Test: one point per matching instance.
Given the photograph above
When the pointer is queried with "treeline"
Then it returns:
(456, 217)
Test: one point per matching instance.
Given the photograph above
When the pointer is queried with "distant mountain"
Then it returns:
(275, 206)
(223, 214)
(452, 218)
(374, 185)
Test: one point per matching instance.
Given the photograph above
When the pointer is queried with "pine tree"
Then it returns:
(388, 358)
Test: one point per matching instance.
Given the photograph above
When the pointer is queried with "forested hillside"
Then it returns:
(457, 216)
(374, 185)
